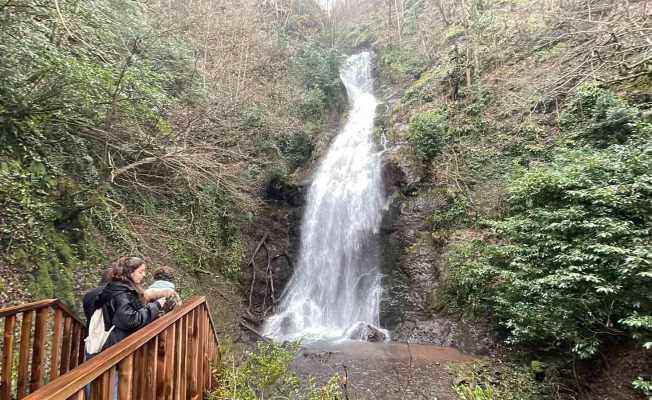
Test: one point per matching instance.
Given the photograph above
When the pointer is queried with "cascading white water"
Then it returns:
(336, 287)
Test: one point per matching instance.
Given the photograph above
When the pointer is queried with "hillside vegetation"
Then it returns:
(528, 124)
(149, 128)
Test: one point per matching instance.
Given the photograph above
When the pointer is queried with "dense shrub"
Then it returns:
(506, 381)
(313, 105)
(29, 237)
(575, 257)
(597, 116)
(265, 374)
(296, 149)
(428, 132)
(319, 67)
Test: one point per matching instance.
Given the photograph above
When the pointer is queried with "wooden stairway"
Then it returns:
(170, 358)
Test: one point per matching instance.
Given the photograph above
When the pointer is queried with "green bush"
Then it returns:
(27, 210)
(476, 393)
(598, 116)
(644, 386)
(483, 380)
(266, 374)
(319, 67)
(210, 238)
(296, 149)
(575, 254)
(29, 237)
(427, 133)
(313, 105)
(471, 277)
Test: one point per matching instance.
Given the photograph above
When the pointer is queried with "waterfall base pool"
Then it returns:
(384, 370)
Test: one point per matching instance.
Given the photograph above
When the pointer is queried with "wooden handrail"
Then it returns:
(47, 362)
(168, 359)
(40, 304)
(26, 307)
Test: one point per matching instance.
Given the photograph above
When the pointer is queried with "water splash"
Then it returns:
(337, 284)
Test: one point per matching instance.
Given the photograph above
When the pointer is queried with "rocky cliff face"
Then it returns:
(271, 249)
(412, 259)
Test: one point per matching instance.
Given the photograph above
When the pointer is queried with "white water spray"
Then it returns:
(336, 287)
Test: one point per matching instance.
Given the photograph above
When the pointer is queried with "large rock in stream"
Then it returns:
(367, 333)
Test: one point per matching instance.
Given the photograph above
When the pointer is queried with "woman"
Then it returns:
(123, 303)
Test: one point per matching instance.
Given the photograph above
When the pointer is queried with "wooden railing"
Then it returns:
(170, 358)
(49, 359)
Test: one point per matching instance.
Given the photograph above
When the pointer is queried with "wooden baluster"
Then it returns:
(207, 349)
(104, 386)
(57, 329)
(207, 358)
(96, 388)
(134, 378)
(126, 375)
(7, 357)
(179, 371)
(111, 384)
(187, 358)
(139, 378)
(38, 353)
(74, 346)
(81, 347)
(209, 353)
(201, 350)
(150, 374)
(160, 364)
(194, 385)
(23, 358)
(65, 347)
(168, 376)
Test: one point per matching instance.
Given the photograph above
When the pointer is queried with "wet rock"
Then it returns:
(437, 332)
(375, 335)
(367, 333)
(401, 171)
(280, 190)
(471, 337)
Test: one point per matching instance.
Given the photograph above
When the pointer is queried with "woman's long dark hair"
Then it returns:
(121, 270)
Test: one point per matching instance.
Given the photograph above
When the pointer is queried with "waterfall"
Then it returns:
(335, 290)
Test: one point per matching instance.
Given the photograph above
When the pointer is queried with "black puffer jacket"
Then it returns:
(122, 307)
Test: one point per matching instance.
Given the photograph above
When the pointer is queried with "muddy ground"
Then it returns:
(384, 370)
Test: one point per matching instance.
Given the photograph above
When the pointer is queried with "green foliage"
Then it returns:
(27, 208)
(313, 105)
(265, 373)
(319, 67)
(426, 87)
(574, 258)
(59, 78)
(399, 63)
(644, 386)
(507, 381)
(296, 149)
(28, 235)
(452, 213)
(476, 393)
(597, 116)
(640, 327)
(428, 132)
(471, 277)
(210, 238)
